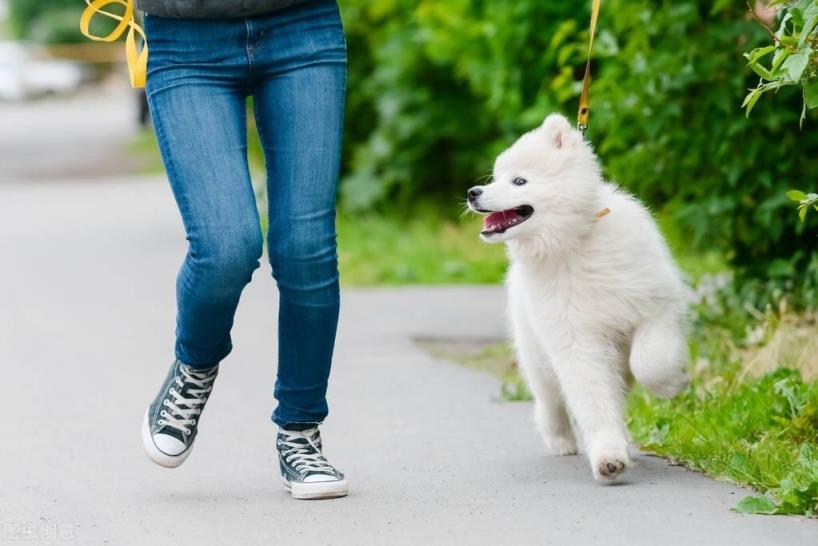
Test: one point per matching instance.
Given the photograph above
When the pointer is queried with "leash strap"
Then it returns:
(137, 58)
(584, 106)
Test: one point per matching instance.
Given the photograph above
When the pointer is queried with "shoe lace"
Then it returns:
(300, 450)
(183, 405)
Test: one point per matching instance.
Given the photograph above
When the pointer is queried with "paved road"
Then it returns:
(80, 136)
(86, 322)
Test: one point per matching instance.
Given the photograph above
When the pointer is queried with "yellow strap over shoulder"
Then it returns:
(584, 104)
(137, 58)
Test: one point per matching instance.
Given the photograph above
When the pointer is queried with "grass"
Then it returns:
(422, 248)
(751, 413)
(761, 433)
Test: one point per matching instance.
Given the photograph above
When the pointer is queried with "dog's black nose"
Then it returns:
(474, 193)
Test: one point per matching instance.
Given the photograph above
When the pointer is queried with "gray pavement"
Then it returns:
(80, 136)
(86, 324)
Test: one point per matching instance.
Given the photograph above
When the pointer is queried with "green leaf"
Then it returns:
(761, 504)
(759, 52)
(802, 213)
(782, 26)
(797, 16)
(797, 63)
(761, 71)
(751, 99)
(778, 59)
(811, 94)
(809, 25)
(796, 195)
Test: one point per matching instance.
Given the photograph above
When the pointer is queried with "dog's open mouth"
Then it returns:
(500, 221)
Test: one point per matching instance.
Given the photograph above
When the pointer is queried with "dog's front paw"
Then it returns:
(610, 466)
(560, 445)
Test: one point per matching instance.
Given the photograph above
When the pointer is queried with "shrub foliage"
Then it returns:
(47, 21)
(437, 89)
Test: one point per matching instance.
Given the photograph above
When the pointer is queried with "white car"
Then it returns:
(25, 74)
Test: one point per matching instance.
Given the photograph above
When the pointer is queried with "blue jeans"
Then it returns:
(293, 64)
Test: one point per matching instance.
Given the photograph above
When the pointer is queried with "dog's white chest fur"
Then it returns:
(618, 274)
(593, 302)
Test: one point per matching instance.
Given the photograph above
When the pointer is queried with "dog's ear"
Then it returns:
(559, 132)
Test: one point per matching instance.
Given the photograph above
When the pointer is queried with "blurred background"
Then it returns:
(438, 88)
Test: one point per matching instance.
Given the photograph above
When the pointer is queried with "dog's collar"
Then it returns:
(602, 213)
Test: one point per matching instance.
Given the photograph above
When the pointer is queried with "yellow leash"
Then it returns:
(584, 105)
(137, 58)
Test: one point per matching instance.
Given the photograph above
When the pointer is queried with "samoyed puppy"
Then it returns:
(595, 298)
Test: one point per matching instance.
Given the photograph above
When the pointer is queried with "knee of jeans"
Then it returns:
(305, 260)
(231, 255)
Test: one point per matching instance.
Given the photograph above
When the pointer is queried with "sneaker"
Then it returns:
(172, 419)
(304, 470)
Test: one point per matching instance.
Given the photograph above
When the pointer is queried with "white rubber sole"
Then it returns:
(317, 490)
(160, 458)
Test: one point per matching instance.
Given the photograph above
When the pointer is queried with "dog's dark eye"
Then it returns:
(519, 181)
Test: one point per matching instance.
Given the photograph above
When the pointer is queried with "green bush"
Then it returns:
(794, 61)
(438, 88)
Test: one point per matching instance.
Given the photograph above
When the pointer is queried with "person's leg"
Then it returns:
(299, 104)
(196, 90)
(197, 94)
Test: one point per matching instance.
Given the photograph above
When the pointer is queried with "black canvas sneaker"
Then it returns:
(172, 419)
(304, 470)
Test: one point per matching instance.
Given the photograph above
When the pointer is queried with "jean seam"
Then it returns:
(170, 167)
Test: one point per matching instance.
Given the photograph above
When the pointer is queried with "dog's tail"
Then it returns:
(659, 356)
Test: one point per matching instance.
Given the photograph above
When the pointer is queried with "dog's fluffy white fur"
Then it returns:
(594, 301)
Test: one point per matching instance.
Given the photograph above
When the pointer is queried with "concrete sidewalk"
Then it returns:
(86, 324)
(85, 135)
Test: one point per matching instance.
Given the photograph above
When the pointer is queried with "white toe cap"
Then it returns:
(168, 444)
(315, 478)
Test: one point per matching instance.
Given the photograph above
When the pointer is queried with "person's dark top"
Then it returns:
(211, 8)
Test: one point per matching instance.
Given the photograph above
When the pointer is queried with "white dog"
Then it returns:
(595, 298)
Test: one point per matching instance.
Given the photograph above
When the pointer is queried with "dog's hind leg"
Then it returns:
(550, 415)
(659, 356)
